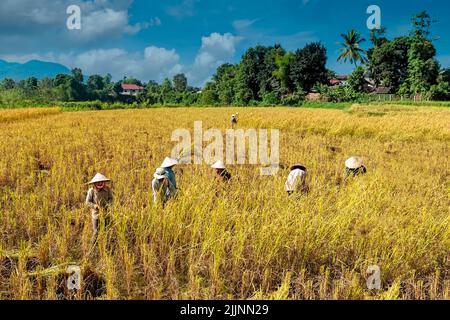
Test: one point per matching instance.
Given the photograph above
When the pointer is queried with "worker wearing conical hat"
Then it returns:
(221, 170)
(162, 188)
(296, 180)
(168, 165)
(99, 199)
(354, 166)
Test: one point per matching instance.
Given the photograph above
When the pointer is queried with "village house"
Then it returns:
(131, 89)
(338, 81)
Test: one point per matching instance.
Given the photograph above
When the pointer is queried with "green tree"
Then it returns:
(31, 83)
(180, 82)
(423, 69)
(440, 92)
(167, 92)
(98, 89)
(422, 23)
(283, 72)
(46, 89)
(444, 75)
(61, 79)
(268, 82)
(251, 74)
(377, 36)
(107, 79)
(357, 80)
(351, 48)
(46, 83)
(225, 80)
(388, 62)
(209, 94)
(95, 82)
(69, 89)
(308, 67)
(8, 84)
(153, 93)
(77, 75)
(117, 89)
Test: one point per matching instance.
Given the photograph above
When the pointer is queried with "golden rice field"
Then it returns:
(245, 241)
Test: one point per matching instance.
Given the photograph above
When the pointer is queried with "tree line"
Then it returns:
(271, 75)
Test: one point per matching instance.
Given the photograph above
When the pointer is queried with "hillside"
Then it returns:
(32, 68)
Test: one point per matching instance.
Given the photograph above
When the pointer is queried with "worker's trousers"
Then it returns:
(96, 222)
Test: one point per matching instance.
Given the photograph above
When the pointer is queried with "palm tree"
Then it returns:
(351, 49)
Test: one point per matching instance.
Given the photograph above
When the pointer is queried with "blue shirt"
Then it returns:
(171, 176)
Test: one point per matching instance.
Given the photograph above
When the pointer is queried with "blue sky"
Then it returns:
(156, 39)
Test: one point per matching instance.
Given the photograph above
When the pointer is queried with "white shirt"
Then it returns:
(296, 179)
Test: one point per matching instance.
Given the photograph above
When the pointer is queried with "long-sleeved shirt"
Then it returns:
(296, 180)
(171, 176)
(99, 199)
(162, 191)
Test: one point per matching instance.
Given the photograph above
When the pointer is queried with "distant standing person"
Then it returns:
(354, 166)
(162, 188)
(221, 171)
(296, 180)
(99, 199)
(168, 165)
(234, 120)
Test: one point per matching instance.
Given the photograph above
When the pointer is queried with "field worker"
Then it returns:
(168, 165)
(163, 189)
(221, 171)
(99, 199)
(296, 180)
(354, 166)
(233, 120)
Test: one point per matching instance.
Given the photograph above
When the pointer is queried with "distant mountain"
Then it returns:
(32, 68)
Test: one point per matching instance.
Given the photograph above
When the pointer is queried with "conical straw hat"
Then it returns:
(298, 166)
(354, 162)
(218, 165)
(160, 173)
(169, 162)
(99, 178)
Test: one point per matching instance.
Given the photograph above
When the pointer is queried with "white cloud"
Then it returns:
(216, 49)
(154, 22)
(155, 55)
(185, 9)
(111, 22)
(220, 45)
(153, 63)
(243, 24)
(23, 21)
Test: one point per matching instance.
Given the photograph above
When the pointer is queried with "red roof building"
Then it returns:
(335, 82)
(131, 89)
